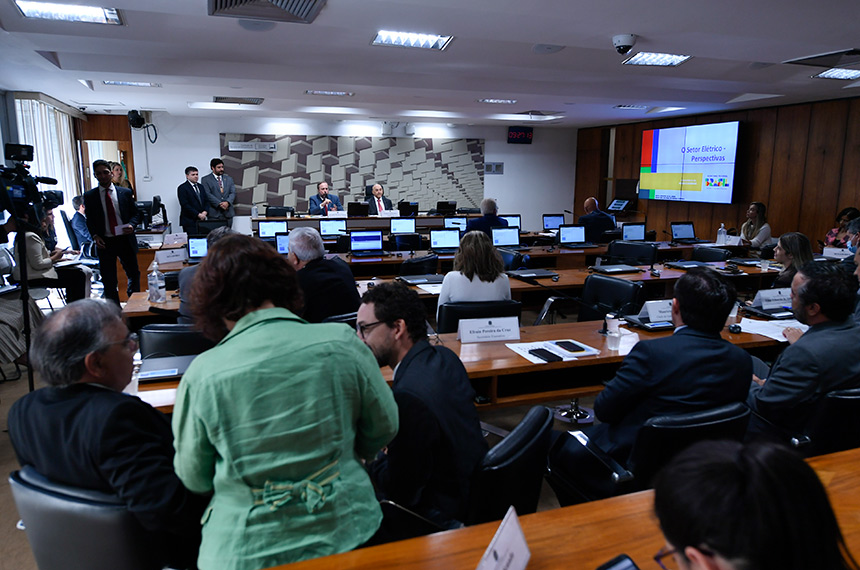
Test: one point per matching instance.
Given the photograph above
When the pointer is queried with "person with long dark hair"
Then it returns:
(838, 236)
(755, 232)
(792, 250)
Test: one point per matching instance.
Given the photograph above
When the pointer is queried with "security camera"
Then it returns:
(624, 43)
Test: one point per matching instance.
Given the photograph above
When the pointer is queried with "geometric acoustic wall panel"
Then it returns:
(414, 170)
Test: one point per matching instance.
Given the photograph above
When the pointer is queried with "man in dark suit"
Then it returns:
(220, 192)
(186, 277)
(192, 201)
(490, 218)
(823, 359)
(429, 464)
(596, 221)
(83, 431)
(328, 284)
(378, 202)
(111, 217)
(320, 203)
(79, 221)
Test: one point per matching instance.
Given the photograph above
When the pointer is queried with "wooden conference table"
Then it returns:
(583, 536)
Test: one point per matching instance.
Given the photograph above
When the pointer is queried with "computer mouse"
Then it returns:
(555, 278)
(371, 285)
(735, 328)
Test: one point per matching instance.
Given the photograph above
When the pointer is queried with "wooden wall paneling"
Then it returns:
(849, 186)
(589, 156)
(105, 128)
(626, 164)
(789, 155)
(820, 200)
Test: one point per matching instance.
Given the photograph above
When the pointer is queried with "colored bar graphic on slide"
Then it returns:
(689, 181)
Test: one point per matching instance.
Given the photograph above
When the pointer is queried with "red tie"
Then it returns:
(111, 213)
(379, 205)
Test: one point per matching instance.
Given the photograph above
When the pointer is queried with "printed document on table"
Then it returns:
(432, 288)
(771, 329)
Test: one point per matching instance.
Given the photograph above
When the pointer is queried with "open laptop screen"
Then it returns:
(282, 243)
(633, 232)
(365, 240)
(571, 234)
(683, 230)
(269, 229)
(506, 236)
(197, 248)
(459, 223)
(552, 221)
(513, 220)
(332, 228)
(402, 226)
(449, 238)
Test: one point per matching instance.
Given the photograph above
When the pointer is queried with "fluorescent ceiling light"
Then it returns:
(220, 106)
(411, 39)
(432, 114)
(498, 101)
(839, 73)
(665, 109)
(661, 59)
(130, 84)
(69, 12)
(631, 107)
(516, 117)
(330, 93)
(330, 110)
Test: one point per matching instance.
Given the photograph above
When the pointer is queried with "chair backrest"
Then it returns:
(835, 425)
(451, 313)
(7, 261)
(632, 252)
(69, 527)
(512, 471)
(406, 242)
(514, 259)
(70, 231)
(711, 254)
(661, 437)
(420, 265)
(342, 244)
(172, 340)
(348, 318)
(603, 294)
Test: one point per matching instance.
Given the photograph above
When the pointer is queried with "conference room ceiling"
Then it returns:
(737, 50)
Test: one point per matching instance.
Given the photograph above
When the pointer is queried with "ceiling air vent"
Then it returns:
(239, 100)
(300, 11)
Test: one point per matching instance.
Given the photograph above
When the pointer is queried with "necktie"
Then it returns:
(111, 212)
(197, 191)
(379, 205)
(220, 185)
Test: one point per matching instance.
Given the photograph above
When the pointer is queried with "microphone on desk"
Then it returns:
(671, 237)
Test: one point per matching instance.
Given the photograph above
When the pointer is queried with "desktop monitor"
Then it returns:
(683, 230)
(457, 223)
(446, 207)
(506, 237)
(402, 226)
(513, 220)
(357, 209)
(618, 205)
(365, 240)
(408, 209)
(633, 231)
(282, 242)
(449, 238)
(552, 221)
(571, 233)
(269, 229)
(332, 228)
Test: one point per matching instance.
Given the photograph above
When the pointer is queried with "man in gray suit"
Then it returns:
(822, 360)
(220, 192)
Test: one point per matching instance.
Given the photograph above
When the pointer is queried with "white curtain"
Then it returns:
(49, 131)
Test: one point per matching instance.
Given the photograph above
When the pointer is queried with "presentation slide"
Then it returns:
(689, 164)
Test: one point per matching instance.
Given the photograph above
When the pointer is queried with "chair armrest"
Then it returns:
(423, 521)
(618, 473)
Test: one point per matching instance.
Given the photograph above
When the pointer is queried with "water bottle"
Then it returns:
(157, 290)
(254, 211)
(722, 235)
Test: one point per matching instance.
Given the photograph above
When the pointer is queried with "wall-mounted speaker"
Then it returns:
(136, 120)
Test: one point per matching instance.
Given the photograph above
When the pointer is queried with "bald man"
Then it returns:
(595, 221)
(378, 202)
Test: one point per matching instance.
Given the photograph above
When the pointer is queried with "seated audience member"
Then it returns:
(428, 466)
(377, 201)
(275, 418)
(83, 431)
(479, 273)
(79, 221)
(792, 250)
(41, 272)
(823, 359)
(489, 218)
(322, 202)
(725, 506)
(755, 232)
(186, 276)
(848, 263)
(838, 236)
(327, 284)
(596, 221)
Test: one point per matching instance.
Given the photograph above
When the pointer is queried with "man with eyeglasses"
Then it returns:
(429, 464)
(82, 431)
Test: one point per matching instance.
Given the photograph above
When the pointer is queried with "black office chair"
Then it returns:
(347, 318)
(342, 245)
(711, 254)
(404, 242)
(451, 313)
(172, 340)
(73, 238)
(279, 211)
(591, 474)
(514, 259)
(834, 426)
(171, 280)
(424, 265)
(206, 226)
(69, 527)
(631, 252)
(609, 236)
(604, 294)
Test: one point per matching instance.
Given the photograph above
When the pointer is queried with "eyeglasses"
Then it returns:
(363, 328)
(131, 342)
(664, 553)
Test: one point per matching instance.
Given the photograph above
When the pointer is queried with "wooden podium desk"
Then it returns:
(583, 536)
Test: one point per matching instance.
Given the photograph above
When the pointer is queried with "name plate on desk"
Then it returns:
(177, 255)
(773, 298)
(174, 239)
(508, 550)
(658, 310)
(488, 330)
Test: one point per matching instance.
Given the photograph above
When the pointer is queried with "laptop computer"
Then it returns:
(430, 278)
(407, 209)
(282, 242)
(269, 229)
(617, 205)
(508, 237)
(532, 273)
(683, 232)
(402, 226)
(746, 261)
(616, 269)
(773, 304)
(458, 223)
(445, 241)
(332, 228)
(572, 236)
(687, 264)
(446, 207)
(513, 220)
(366, 243)
(357, 209)
(552, 221)
(197, 249)
(634, 231)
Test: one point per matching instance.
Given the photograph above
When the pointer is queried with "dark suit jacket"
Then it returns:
(79, 226)
(431, 460)
(822, 360)
(314, 208)
(485, 223)
(595, 224)
(190, 204)
(687, 372)
(373, 210)
(329, 289)
(92, 437)
(96, 214)
(215, 196)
